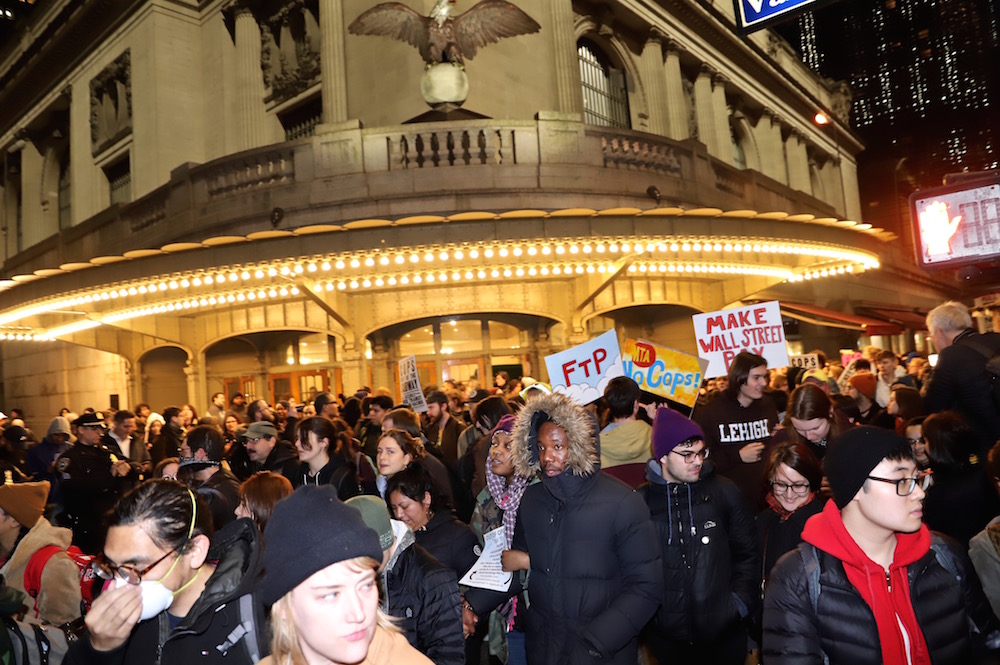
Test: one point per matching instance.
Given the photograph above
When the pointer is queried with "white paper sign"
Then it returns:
(487, 572)
(583, 372)
(755, 328)
(806, 361)
(409, 383)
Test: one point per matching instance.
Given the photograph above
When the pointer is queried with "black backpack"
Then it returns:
(991, 352)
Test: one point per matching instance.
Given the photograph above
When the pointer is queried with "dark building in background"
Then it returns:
(925, 75)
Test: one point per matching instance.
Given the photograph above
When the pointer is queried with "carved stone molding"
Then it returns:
(111, 103)
(290, 48)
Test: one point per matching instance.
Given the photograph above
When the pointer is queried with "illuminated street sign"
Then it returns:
(958, 224)
(752, 15)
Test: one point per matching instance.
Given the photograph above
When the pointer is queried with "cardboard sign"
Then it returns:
(664, 371)
(806, 361)
(409, 383)
(755, 328)
(582, 372)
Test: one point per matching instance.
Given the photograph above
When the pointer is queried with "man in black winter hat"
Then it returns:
(870, 583)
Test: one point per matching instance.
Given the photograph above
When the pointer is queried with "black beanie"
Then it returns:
(853, 455)
(308, 531)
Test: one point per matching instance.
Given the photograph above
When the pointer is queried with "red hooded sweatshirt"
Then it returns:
(888, 596)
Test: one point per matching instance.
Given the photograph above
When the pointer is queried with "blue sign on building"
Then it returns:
(752, 15)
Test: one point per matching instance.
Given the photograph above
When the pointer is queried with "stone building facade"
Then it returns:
(241, 195)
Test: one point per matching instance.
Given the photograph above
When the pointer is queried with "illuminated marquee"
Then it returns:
(957, 224)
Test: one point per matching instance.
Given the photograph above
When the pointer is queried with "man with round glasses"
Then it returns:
(711, 561)
(179, 593)
(870, 583)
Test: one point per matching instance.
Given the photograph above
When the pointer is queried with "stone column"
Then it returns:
(654, 82)
(798, 163)
(569, 96)
(848, 173)
(677, 114)
(333, 61)
(772, 153)
(703, 109)
(720, 115)
(191, 374)
(249, 80)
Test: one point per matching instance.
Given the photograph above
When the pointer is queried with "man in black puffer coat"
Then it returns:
(595, 567)
(711, 561)
(870, 584)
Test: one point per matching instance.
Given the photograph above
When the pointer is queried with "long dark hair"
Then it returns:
(808, 402)
(739, 371)
(951, 442)
(414, 482)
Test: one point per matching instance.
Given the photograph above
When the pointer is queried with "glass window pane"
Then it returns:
(417, 342)
(461, 337)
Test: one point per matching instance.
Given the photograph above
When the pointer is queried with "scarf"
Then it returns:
(775, 505)
(507, 496)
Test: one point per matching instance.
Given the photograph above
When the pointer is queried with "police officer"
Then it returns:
(92, 478)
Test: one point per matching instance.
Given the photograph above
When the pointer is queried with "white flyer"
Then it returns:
(487, 572)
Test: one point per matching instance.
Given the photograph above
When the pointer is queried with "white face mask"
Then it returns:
(156, 598)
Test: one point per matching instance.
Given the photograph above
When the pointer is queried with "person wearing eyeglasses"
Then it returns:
(794, 476)
(711, 560)
(870, 583)
(178, 592)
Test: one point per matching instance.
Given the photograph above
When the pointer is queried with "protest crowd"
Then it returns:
(836, 514)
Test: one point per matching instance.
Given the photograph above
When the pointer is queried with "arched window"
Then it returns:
(605, 96)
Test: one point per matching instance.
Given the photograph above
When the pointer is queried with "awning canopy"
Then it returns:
(912, 319)
(831, 318)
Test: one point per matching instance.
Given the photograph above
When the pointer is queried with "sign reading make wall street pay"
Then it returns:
(756, 328)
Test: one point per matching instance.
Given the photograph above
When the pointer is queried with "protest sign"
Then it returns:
(409, 383)
(582, 372)
(755, 328)
(663, 371)
(806, 361)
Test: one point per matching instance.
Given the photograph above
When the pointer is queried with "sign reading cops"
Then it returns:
(752, 15)
(806, 361)
(663, 371)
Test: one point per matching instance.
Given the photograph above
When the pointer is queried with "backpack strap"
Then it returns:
(247, 619)
(33, 571)
(810, 566)
(946, 557)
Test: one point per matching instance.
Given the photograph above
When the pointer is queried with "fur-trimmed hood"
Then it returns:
(581, 434)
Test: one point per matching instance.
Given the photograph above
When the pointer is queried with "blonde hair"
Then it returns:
(285, 646)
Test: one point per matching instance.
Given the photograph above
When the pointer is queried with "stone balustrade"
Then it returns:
(349, 172)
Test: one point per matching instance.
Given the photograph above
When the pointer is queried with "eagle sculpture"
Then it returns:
(440, 37)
